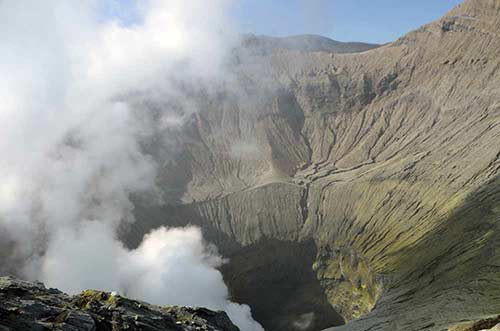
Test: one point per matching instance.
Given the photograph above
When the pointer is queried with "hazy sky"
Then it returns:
(376, 21)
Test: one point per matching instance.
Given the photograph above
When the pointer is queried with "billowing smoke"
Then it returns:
(74, 98)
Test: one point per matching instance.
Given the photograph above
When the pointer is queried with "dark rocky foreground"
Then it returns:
(32, 307)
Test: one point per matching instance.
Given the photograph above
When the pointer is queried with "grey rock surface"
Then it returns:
(32, 307)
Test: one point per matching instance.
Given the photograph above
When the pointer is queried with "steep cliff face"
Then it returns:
(387, 159)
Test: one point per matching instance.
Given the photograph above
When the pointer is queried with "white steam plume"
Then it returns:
(70, 144)
(171, 266)
(304, 321)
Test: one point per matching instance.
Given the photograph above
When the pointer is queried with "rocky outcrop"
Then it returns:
(28, 306)
(489, 324)
(388, 160)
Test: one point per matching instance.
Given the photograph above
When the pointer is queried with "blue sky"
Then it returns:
(375, 21)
